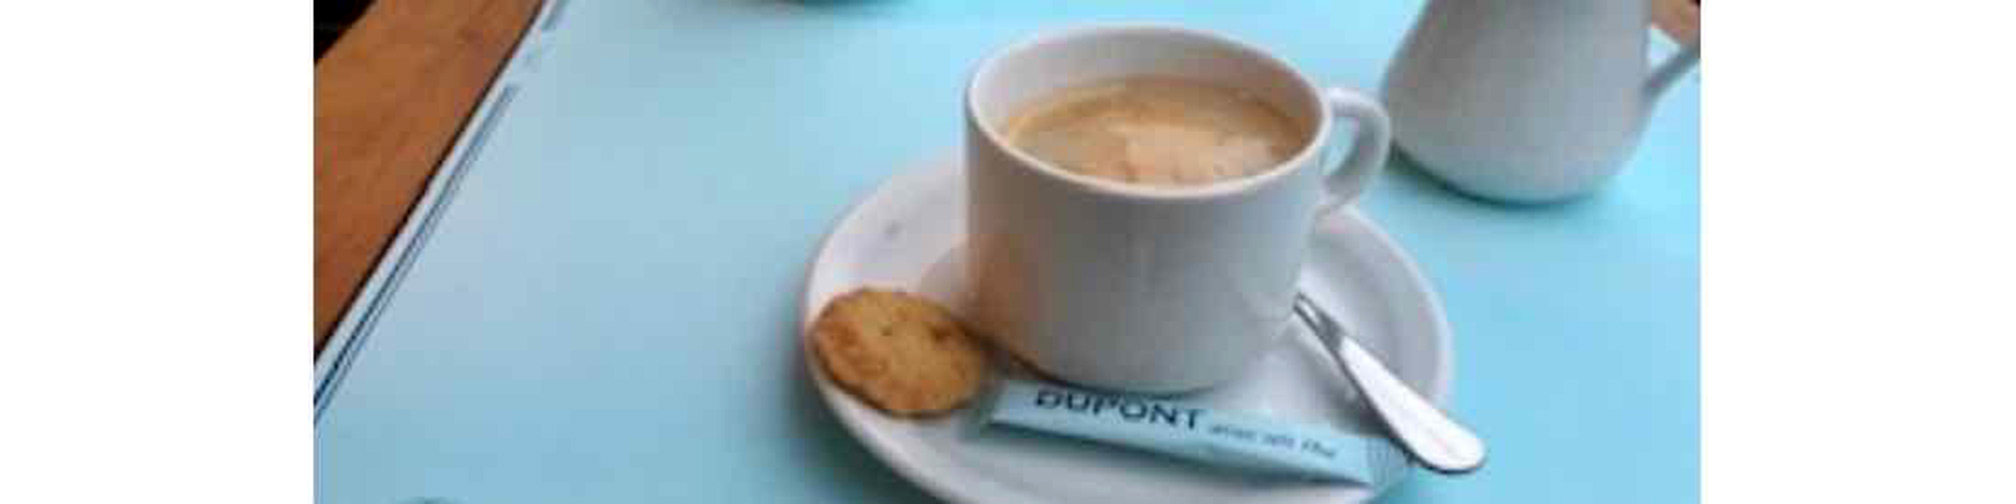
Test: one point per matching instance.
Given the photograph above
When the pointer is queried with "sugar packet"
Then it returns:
(1192, 432)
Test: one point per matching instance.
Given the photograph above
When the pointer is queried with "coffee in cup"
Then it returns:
(1157, 131)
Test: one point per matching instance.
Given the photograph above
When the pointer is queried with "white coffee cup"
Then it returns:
(1140, 288)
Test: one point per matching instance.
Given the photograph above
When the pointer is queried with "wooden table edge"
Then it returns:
(391, 96)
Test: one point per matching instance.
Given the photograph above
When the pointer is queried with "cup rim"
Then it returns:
(1223, 188)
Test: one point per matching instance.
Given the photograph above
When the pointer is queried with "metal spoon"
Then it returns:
(1424, 431)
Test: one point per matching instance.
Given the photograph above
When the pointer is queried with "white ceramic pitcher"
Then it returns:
(1526, 100)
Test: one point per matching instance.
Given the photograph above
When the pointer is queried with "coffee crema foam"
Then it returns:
(1156, 131)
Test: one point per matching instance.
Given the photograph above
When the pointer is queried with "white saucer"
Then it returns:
(907, 236)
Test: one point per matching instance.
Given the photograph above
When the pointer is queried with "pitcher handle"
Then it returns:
(1669, 71)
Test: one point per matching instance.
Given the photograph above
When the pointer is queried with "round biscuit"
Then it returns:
(899, 352)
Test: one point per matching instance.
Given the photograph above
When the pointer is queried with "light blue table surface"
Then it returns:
(602, 305)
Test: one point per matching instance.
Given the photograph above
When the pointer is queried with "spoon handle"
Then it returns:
(1434, 439)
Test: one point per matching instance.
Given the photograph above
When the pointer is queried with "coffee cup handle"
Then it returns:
(1368, 146)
